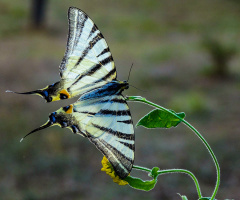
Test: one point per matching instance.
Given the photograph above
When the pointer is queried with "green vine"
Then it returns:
(174, 122)
(168, 171)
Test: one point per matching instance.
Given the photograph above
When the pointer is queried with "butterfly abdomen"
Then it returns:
(111, 88)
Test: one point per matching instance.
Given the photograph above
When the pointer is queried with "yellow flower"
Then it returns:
(107, 167)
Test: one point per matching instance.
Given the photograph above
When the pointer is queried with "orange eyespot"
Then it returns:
(64, 94)
(68, 109)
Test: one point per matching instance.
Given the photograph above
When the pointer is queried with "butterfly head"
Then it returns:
(124, 85)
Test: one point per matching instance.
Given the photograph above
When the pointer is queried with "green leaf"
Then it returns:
(160, 119)
(139, 184)
(206, 198)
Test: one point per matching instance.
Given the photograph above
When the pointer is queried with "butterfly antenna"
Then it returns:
(138, 88)
(130, 72)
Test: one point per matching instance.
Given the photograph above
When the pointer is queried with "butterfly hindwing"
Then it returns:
(107, 123)
(87, 62)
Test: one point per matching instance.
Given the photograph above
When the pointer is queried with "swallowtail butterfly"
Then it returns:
(101, 113)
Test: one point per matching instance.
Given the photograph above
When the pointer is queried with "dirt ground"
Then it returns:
(164, 41)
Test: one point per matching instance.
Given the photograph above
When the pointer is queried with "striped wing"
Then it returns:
(107, 123)
(87, 63)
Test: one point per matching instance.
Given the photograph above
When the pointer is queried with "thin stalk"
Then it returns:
(141, 99)
(167, 171)
(142, 168)
(185, 172)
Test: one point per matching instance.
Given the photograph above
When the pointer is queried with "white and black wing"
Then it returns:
(87, 62)
(108, 124)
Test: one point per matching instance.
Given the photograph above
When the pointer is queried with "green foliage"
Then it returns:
(167, 118)
(138, 183)
(160, 119)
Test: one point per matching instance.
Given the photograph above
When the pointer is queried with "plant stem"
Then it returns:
(167, 171)
(185, 172)
(141, 99)
(141, 168)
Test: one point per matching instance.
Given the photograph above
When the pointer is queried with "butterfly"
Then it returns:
(101, 113)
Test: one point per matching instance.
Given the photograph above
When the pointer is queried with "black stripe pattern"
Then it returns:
(91, 44)
(109, 112)
(117, 161)
(121, 101)
(106, 50)
(81, 20)
(73, 25)
(109, 74)
(94, 69)
(114, 112)
(129, 145)
(116, 152)
(126, 121)
(94, 28)
(115, 133)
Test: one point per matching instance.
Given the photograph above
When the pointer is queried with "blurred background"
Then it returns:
(186, 57)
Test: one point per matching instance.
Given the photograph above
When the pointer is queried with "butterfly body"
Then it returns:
(101, 113)
(111, 88)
